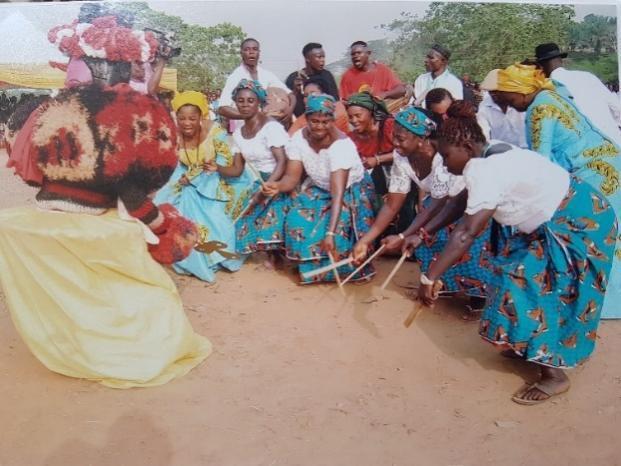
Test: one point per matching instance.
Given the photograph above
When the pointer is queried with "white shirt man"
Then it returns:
(593, 99)
(447, 80)
(265, 77)
(438, 75)
(250, 69)
(508, 127)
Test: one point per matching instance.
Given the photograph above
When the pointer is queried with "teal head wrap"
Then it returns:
(320, 103)
(251, 85)
(416, 121)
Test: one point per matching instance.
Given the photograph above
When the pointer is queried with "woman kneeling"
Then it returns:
(329, 216)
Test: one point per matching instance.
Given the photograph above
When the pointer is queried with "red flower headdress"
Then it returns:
(104, 39)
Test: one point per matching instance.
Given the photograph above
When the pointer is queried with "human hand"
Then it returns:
(210, 166)
(426, 295)
(184, 180)
(270, 188)
(370, 162)
(411, 242)
(327, 245)
(392, 242)
(360, 252)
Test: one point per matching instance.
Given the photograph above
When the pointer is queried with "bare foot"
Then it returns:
(553, 382)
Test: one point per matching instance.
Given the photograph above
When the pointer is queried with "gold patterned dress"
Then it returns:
(557, 129)
(212, 202)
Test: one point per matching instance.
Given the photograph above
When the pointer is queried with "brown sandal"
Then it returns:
(517, 396)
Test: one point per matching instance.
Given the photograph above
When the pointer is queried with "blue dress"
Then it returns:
(308, 220)
(557, 129)
(309, 217)
(548, 287)
(471, 274)
(212, 202)
(261, 227)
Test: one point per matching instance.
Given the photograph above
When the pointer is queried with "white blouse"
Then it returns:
(258, 150)
(523, 186)
(341, 155)
(439, 183)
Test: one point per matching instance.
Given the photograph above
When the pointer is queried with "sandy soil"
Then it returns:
(302, 376)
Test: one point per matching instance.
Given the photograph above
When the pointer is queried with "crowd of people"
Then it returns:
(510, 199)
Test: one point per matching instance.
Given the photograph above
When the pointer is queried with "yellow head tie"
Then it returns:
(195, 98)
(522, 79)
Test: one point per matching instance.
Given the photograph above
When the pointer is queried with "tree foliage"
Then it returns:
(208, 54)
(597, 34)
(481, 36)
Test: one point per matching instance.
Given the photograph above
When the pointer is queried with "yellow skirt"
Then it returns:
(90, 302)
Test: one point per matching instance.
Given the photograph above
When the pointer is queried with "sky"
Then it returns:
(282, 26)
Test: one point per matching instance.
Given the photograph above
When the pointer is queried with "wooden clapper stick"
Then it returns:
(373, 256)
(250, 204)
(404, 256)
(256, 173)
(336, 274)
(327, 268)
(419, 307)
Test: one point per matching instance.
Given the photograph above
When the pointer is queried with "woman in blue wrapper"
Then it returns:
(259, 146)
(556, 128)
(416, 160)
(550, 273)
(336, 208)
(201, 193)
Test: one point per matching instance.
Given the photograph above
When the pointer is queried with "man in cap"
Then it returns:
(438, 75)
(590, 95)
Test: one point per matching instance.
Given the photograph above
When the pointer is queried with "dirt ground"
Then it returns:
(303, 376)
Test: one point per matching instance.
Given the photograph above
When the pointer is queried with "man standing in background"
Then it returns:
(590, 95)
(374, 77)
(315, 59)
(250, 69)
(438, 75)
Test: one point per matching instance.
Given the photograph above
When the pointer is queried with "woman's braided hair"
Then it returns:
(461, 126)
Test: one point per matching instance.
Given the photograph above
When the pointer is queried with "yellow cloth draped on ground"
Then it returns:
(90, 302)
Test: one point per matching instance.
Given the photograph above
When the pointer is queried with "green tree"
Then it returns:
(594, 34)
(208, 54)
(481, 36)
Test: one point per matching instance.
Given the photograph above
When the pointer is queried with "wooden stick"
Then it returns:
(336, 274)
(417, 310)
(373, 256)
(437, 286)
(327, 268)
(256, 173)
(404, 256)
(243, 212)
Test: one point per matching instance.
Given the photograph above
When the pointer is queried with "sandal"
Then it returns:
(517, 396)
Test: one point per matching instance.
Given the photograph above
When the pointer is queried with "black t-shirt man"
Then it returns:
(315, 59)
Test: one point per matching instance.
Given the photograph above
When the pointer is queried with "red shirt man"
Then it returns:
(380, 80)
